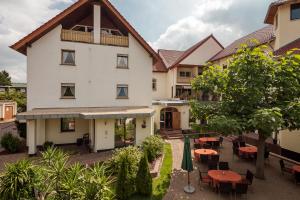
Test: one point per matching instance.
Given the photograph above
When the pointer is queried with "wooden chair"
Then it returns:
(212, 165)
(240, 189)
(297, 177)
(225, 188)
(248, 178)
(203, 158)
(284, 168)
(223, 166)
(204, 178)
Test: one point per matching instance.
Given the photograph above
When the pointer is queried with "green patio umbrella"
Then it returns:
(187, 163)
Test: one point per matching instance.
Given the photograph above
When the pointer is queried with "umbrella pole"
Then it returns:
(189, 179)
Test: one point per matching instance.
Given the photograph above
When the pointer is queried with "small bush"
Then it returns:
(47, 145)
(125, 183)
(10, 143)
(143, 178)
(131, 154)
(153, 145)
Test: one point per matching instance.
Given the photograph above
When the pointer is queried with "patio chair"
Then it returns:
(206, 146)
(204, 178)
(223, 166)
(267, 154)
(297, 177)
(212, 165)
(216, 145)
(203, 158)
(225, 188)
(221, 140)
(285, 168)
(235, 144)
(240, 189)
(197, 146)
(215, 158)
(235, 150)
(249, 178)
(242, 144)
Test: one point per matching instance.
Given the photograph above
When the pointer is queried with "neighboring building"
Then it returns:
(20, 87)
(87, 69)
(8, 110)
(171, 83)
(281, 35)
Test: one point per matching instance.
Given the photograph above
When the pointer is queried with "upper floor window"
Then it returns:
(122, 61)
(122, 91)
(67, 125)
(67, 57)
(185, 74)
(68, 90)
(154, 84)
(295, 11)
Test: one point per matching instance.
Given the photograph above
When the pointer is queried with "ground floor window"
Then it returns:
(125, 132)
(67, 125)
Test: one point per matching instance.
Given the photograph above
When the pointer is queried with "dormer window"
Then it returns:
(295, 11)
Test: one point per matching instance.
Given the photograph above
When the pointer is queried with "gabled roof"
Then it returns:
(263, 36)
(22, 44)
(272, 10)
(159, 66)
(292, 45)
(172, 58)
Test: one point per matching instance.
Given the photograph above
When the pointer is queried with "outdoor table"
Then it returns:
(208, 152)
(296, 169)
(224, 176)
(208, 139)
(248, 150)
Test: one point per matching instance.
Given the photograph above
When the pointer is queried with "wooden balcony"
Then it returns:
(88, 37)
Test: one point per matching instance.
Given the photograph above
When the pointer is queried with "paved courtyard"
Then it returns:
(275, 187)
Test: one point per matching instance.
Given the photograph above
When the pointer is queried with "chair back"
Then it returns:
(197, 146)
(297, 177)
(215, 158)
(221, 139)
(212, 165)
(241, 188)
(223, 166)
(242, 144)
(235, 144)
(216, 144)
(249, 177)
(282, 166)
(203, 158)
(225, 187)
(266, 155)
(206, 146)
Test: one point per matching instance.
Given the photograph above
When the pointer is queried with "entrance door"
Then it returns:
(8, 114)
(176, 120)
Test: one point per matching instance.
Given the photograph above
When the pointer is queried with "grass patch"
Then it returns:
(161, 183)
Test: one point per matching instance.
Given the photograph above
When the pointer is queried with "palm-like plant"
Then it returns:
(17, 182)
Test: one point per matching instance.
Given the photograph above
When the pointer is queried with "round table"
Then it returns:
(208, 139)
(224, 176)
(248, 150)
(208, 152)
(296, 168)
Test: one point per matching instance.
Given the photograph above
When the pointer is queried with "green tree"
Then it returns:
(143, 177)
(5, 78)
(125, 183)
(258, 92)
(16, 96)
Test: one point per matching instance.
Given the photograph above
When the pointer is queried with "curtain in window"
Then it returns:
(122, 61)
(122, 91)
(68, 90)
(68, 57)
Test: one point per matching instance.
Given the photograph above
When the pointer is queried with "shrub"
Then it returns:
(125, 183)
(143, 178)
(153, 145)
(47, 145)
(17, 182)
(131, 154)
(10, 143)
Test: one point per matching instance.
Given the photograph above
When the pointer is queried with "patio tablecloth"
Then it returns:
(199, 152)
(208, 139)
(248, 150)
(296, 168)
(224, 176)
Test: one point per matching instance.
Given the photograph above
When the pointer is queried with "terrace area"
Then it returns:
(276, 186)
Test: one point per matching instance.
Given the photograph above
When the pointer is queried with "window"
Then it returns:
(67, 125)
(154, 84)
(295, 11)
(68, 90)
(67, 57)
(185, 74)
(122, 91)
(122, 61)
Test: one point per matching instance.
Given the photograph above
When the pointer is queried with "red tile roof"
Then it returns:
(272, 10)
(263, 36)
(21, 45)
(171, 58)
(159, 66)
(292, 45)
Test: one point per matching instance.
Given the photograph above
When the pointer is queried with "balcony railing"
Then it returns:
(88, 37)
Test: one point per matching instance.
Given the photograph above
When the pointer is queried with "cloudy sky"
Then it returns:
(170, 24)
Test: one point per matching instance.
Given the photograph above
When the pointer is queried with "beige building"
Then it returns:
(281, 35)
(8, 110)
(83, 67)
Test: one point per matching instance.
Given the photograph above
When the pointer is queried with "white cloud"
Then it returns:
(227, 20)
(18, 18)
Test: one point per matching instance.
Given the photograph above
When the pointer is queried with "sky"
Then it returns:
(164, 24)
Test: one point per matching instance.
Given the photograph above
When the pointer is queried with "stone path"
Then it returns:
(275, 187)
